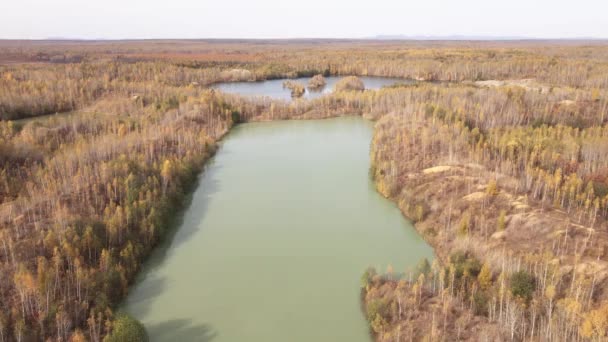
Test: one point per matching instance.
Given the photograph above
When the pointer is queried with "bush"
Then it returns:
(465, 264)
(480, 303)
(523, 285)
(126, 329)
(600, 189)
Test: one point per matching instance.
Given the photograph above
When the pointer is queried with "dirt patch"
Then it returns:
(437, 169)
(529, 84)
(476, 196)
(567, 102)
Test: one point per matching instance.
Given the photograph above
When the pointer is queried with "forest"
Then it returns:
(498, 153)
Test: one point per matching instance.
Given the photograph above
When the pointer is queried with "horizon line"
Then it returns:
(370, 38)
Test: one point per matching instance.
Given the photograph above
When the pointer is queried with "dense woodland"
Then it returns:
(499, 153)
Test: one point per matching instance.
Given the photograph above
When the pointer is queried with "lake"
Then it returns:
(275, 90)
(282, 225)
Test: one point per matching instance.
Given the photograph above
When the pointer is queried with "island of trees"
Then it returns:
(499, 154)
(297, 89)
(317, 82)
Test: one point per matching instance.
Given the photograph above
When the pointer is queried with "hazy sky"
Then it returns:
(34, 19)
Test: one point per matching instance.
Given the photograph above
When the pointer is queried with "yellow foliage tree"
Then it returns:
(78, 336)
(502, 220)
(595, 323)
(485, 277)
(492, 188)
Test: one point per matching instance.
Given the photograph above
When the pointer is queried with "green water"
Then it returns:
(272, 247)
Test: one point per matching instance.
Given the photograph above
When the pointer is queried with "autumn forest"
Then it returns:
(496, 151)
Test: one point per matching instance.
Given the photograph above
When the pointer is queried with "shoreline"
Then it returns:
(471, 215)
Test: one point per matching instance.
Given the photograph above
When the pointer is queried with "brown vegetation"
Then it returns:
(350, 83)
(519, 198)
(316, 82)
(510, 176)
(297, 89)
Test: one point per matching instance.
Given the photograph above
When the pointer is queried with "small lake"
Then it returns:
(272, 247)
(275, 90)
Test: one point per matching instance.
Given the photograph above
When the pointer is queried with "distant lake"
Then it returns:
(275, 90)
(284, 222)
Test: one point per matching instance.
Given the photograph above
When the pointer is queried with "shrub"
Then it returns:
(523, 285)
(126, 329)
(465, 264)
(480, 303)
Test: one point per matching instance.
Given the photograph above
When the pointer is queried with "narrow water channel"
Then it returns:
(283, 223)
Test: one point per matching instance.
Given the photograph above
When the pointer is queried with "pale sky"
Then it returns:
(129, 19)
